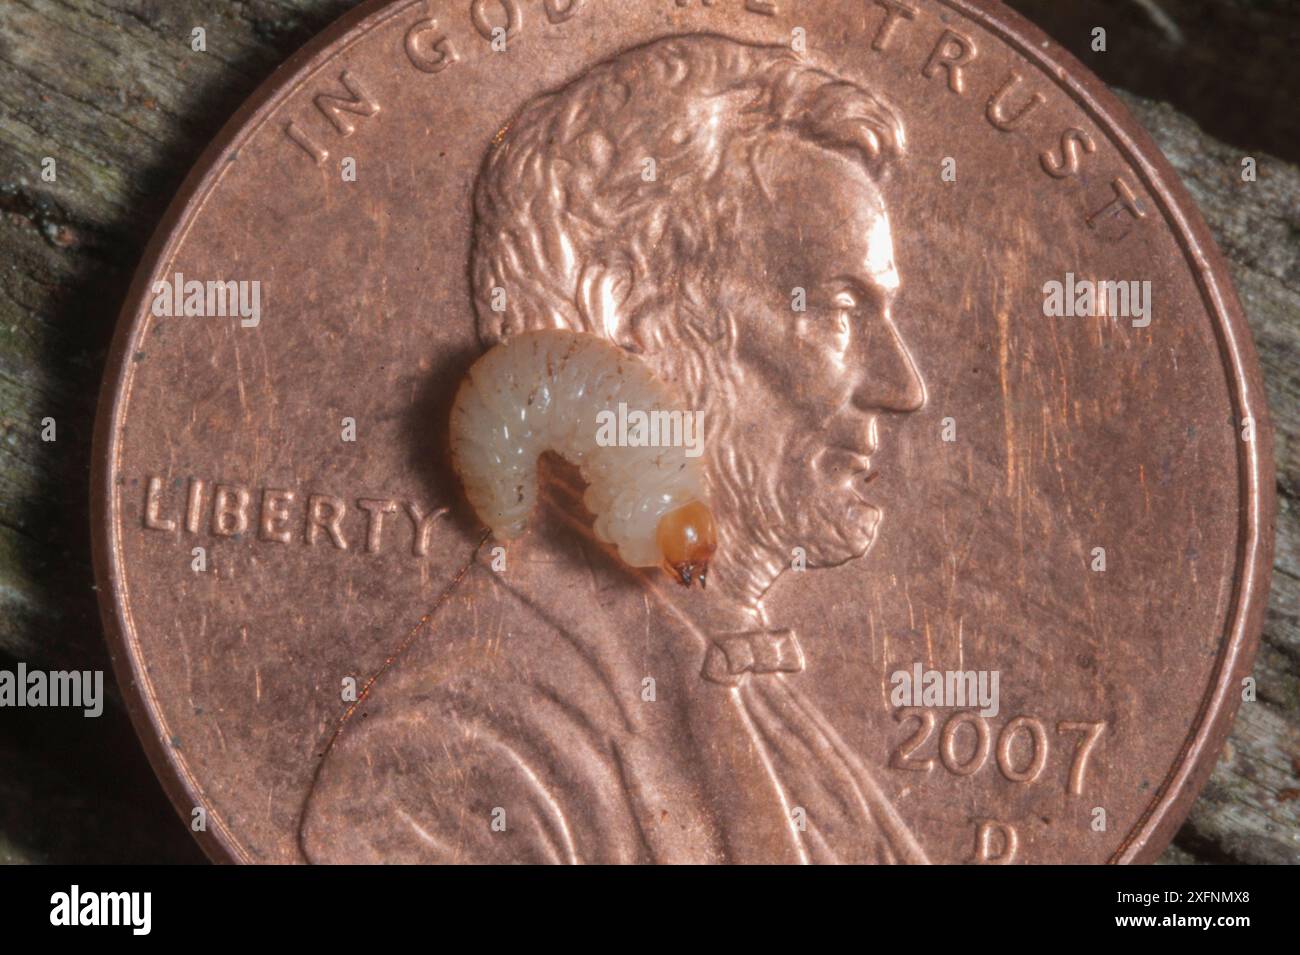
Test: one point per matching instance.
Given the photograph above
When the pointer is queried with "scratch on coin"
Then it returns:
(239, 380)
(1008, 425)
(422, 832)
(370, 683)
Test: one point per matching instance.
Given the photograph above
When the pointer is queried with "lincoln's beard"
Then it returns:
(767, 508)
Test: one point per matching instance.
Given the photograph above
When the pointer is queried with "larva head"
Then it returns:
(688, 539)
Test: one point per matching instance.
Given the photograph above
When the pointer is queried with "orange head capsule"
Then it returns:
(688, 539)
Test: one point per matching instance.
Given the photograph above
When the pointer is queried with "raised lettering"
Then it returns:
(894, 11)
(275, 512)
(230, 510)
(1072, 140)
(422, 523)
(951, 53)
(996, 111)
(429, 49)
(325, 513)
(484, 26)
(151, 506)
(375, 527)
(337, 108)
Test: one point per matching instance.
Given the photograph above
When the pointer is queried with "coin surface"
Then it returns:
(986, 443)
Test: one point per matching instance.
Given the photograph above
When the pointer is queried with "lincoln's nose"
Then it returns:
(890, 381)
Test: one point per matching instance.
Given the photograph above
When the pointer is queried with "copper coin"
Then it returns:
(986, 439)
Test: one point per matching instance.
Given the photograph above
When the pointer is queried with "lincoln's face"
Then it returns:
(816, 380)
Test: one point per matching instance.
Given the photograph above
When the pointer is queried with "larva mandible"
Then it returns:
(542, 391)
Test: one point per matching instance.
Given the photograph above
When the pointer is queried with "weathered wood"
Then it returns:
(1250, 810)
(1228, 64)
(112, 91)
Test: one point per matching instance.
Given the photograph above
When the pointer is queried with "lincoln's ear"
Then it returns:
(603, 293)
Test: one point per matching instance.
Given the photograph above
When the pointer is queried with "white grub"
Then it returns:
(543, 391)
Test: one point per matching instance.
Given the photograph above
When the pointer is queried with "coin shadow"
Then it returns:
(426, 434)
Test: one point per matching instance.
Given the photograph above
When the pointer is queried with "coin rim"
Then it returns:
(1153, 831)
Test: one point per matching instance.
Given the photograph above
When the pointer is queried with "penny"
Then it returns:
(984, 436)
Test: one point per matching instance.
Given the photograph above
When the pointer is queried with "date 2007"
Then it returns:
(1022, 747)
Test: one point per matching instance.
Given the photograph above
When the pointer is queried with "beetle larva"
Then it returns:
(545, 391)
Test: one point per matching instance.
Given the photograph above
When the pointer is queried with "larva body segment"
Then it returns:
(545, 391)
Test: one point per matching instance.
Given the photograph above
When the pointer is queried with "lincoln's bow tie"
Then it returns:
(732, 656)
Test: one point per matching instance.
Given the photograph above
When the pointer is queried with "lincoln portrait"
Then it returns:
(718, 209)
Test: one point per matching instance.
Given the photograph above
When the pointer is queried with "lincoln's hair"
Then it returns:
(623, 188)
